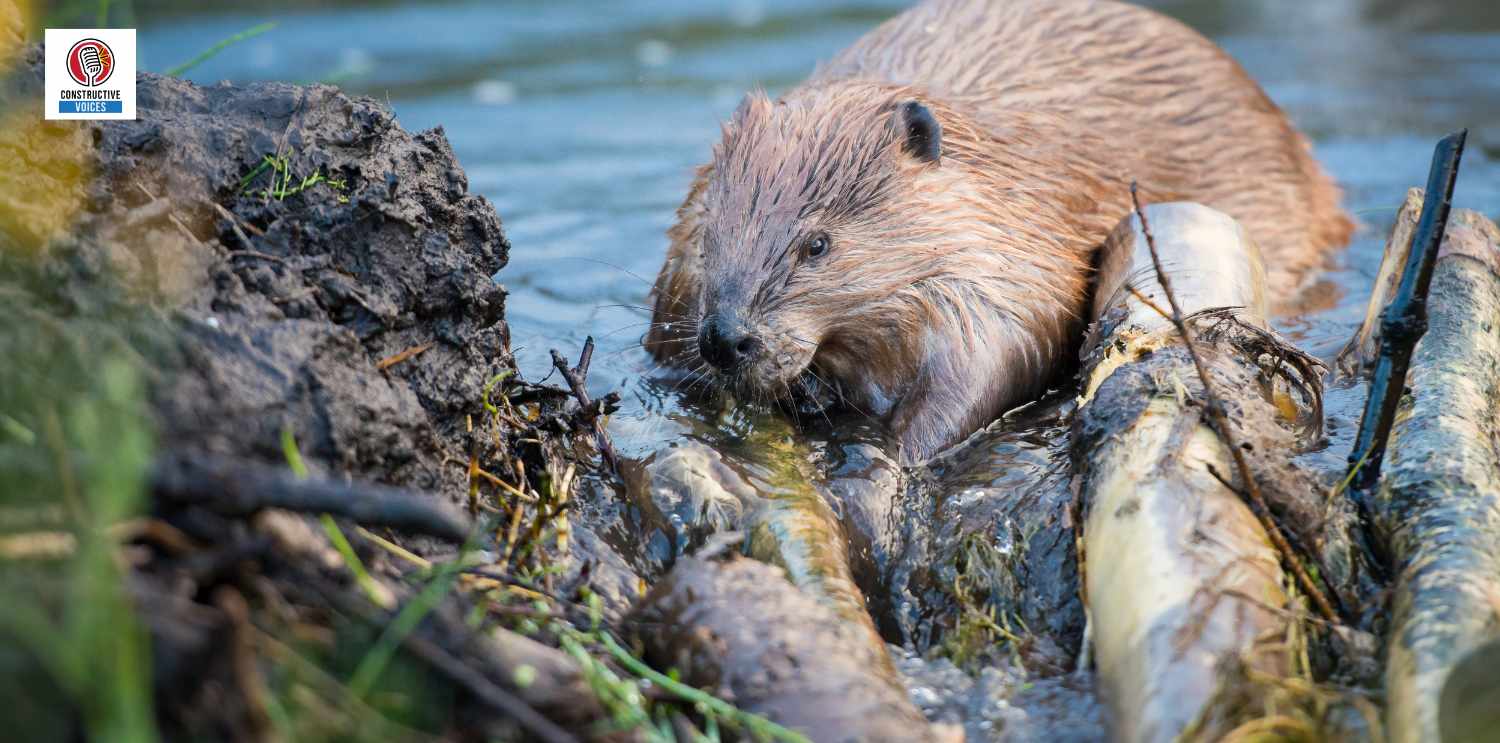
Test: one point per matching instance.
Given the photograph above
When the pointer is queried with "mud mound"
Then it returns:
(298, 237)
(293, 277)
(343, 240)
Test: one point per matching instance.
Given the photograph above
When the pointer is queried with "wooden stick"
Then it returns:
(401, 356)
(1215, 411)
(1404, 321)
(1359, 354)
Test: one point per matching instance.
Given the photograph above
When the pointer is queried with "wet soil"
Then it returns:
(303, 284)
(287, 305)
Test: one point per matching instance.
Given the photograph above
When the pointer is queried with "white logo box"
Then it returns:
(114, 97)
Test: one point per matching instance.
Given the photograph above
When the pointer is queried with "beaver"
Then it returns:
(913, 226)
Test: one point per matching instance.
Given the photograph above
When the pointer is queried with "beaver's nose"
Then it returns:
(725, 343)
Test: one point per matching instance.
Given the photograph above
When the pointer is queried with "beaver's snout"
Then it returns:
(727, 343)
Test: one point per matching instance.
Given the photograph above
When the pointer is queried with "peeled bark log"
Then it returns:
(764, 486)
(1179, 575)
(741, 630)
(1439, 502)
(1360, 351)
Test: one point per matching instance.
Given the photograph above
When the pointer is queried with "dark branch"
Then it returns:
(575, 377)
(241, 489)
(1404, 322)
(485, 691)
(448, 664)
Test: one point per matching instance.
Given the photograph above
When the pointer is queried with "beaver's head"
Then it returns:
(847, 230)
(812, 213)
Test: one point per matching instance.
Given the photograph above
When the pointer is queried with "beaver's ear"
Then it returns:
(924, 135)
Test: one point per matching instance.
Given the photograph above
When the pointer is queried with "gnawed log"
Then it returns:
(1360, 351)
(739, 629)
(1179, 574)
(764, 486)
(1438, 504)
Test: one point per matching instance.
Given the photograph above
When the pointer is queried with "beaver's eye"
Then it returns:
(816, 246)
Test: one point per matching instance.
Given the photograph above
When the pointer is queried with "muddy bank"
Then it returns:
(368, 246)
(283, 303)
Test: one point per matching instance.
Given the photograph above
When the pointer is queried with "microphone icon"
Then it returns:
(93, 66)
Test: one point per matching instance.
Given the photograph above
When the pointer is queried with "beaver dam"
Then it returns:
(323, 413)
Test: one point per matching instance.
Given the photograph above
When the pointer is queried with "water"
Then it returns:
(582, 122)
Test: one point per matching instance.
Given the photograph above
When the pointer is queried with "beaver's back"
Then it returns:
(1153, 101)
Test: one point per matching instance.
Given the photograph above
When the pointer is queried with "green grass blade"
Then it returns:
(490, 386)
(762, 728)
(292, 453)
(374, 663)
(213, 51)
(362, 577)
(110, 651)
(261, 168)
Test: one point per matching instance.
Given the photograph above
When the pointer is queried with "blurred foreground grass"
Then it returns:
(75, 446)
(74, 453)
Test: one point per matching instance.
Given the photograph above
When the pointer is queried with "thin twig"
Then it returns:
(575, 377)
(394, 548)
(246, 672)
(249, 250)
(493, 479)
(255, 253)
(1215, 409)
(401, 356)
(234, 220)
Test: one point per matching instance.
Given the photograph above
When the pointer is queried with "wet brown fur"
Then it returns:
(953, 288)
